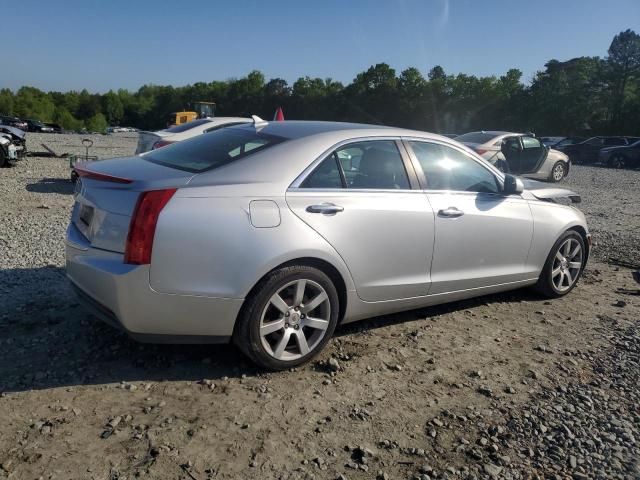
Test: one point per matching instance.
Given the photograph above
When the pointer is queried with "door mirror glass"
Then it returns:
(512, 185)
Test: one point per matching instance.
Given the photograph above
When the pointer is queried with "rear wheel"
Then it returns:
(558, 172)
(289, 318)
(616, 161)
(563, 266)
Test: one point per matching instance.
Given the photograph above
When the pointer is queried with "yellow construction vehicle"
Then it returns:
(200, 110)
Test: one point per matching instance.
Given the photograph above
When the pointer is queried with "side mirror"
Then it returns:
(512, 185)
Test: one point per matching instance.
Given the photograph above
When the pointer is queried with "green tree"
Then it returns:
(623, 65)
(112, 107)
(97, 123)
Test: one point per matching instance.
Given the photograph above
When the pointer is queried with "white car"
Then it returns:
(148, 141)
(519, 154)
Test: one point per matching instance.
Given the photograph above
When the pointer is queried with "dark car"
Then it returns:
(55, 128)
(587, 152)
(14, 122)
(38, 126)
(555, 142)
(620, 157)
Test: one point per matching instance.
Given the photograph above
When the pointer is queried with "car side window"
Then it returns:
(594, 142)
(326, 175)
(374, 164)
(446, 168)
(530, 142)
(615, 141)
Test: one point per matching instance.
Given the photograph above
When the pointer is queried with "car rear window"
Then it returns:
(475, 137)
(212, 150)
(187, 126)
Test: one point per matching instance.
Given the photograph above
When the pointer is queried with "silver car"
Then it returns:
(272, 234)
(519, 154)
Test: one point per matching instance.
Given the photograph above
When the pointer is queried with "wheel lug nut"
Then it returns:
(286, 314)
(296, 327)
(286, 325)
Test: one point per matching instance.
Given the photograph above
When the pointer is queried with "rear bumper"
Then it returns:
(120, 295)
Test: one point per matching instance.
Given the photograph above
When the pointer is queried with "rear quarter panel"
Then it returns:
(207, 246)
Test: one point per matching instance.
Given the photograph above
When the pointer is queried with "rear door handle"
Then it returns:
(451, 212)
(325, 208)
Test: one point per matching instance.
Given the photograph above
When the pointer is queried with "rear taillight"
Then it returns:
(90, 174)
(161, 143)
(143, 225)
(480, 151)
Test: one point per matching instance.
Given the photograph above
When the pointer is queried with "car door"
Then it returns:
(364, 199)
(511, 149)
(482, 237)
(532, 156)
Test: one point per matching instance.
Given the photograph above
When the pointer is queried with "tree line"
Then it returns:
(581, 96)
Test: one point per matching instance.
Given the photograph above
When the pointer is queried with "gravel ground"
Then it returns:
(504, 386)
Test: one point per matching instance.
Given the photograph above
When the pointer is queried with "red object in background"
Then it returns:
(279, 116)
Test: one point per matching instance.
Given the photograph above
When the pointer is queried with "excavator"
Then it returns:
(200, 110)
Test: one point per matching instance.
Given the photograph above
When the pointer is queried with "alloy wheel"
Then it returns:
(558, 172)
(566, 265)
(295, 320)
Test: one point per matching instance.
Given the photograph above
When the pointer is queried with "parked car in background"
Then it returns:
(555, 142)
(620, 157)
(14, 122)
(38, 126)
(519, 154)
(55, 127)
(587, 152)
(13, 145)
(270, 234)
(151, 140)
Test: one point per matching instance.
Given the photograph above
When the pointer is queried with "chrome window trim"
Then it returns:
(402, 151)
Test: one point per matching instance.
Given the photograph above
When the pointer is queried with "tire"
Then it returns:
(269, 331)
(553, 281)
(616, 161)
(558, 172)
(3, 160)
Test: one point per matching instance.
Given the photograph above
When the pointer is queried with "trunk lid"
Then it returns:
(146, 140)
(102, 210)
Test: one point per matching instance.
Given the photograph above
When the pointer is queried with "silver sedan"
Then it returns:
(272, 234)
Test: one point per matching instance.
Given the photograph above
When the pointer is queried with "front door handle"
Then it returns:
(325, 208)
(451, 212)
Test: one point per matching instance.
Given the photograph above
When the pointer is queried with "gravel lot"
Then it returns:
(504, 386)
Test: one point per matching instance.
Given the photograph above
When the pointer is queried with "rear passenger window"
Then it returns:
(326, 175)
(446, 168)
(375, 164)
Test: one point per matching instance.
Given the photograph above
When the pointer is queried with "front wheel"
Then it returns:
(563, 266)
(289, 318)
(558, 172)
(616, 161)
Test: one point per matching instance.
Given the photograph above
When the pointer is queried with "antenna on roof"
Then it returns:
(258, 122)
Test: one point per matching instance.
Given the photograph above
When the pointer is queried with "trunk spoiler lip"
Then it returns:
(84, 172)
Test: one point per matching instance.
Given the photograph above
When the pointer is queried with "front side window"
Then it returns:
(530, 142)
(446, 168)
(595, 142)
(375, 164)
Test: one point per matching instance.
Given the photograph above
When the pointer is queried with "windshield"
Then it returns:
(475, 137)
(212, 150)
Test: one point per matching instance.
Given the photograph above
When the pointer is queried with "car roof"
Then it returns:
(295, 129)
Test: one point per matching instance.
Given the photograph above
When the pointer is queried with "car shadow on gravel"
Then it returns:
(48, 340)
(51, 185)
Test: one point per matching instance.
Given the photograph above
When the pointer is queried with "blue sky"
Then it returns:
(99, 45)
